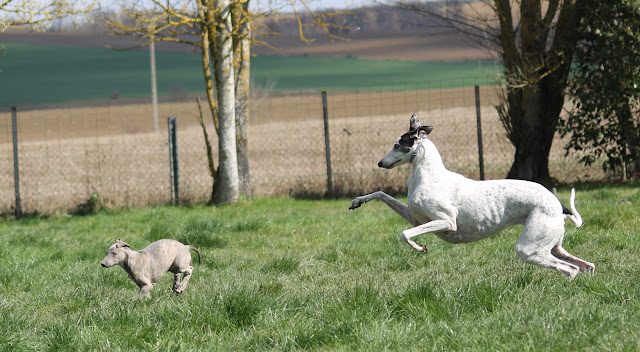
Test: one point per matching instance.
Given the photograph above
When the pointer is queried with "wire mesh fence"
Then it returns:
(67, 154)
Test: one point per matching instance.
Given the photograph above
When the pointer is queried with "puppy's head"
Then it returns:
(116, 254)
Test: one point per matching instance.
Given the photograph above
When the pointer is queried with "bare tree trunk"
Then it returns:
(536, 68)
(206, 13)
(242, 56)
(227, 186)
(534, 135)
(210, 164)
(629, 135)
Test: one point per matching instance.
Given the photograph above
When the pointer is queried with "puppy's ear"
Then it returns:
(122, 244)
(414, 122)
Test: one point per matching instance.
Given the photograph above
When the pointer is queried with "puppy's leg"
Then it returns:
(185, 280)
(144, 290)
(176, 282)
(181, 266)
(562, 254)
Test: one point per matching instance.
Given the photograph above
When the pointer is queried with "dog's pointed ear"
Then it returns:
(122, 244)
(421, 132)
(426, 129)
(414, 122)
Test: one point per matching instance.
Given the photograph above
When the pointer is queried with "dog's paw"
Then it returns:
(588, 268)
(571, 274)
(356, 203)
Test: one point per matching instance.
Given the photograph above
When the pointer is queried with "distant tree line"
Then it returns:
(370, 19)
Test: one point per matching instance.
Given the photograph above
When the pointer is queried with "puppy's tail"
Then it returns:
(573, 214)
(197, 251)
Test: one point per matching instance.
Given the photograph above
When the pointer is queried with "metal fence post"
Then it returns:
(16, 169)
(479, 127)
(325, 114)
(173, 161)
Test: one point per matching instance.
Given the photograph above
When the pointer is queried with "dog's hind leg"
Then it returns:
(396, 205)
(562, 254)
(539, 236)
(185, 280)
(176, 281)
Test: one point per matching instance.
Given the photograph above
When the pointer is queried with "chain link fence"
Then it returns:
(68, 154)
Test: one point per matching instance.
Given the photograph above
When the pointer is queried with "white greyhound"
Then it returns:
(460, 210)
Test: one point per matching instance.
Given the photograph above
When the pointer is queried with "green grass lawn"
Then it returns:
(38, 74)
(285, 274)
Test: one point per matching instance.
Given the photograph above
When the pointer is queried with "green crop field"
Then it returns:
(324, 73)
(284, 274)
(38, 74)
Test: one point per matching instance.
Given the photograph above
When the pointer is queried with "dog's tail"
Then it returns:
(197, 251)
(573, 214)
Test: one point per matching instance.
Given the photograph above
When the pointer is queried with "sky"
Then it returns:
(338, 4)
(313, 4)
(318, 4)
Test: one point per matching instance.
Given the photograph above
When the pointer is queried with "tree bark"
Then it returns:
(536, 69)
(206, 13)
(242, 56)
(534, 135)
(629, 135)
(227, 184)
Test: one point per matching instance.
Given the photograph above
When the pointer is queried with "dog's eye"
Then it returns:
(396, 146)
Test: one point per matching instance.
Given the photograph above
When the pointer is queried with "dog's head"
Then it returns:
(116, 254)
(404, 147)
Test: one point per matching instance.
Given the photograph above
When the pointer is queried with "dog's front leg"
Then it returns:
(393, 203)
(145, 285)
(144, 291)
(430, 227)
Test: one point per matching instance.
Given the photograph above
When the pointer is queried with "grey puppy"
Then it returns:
(145, 267)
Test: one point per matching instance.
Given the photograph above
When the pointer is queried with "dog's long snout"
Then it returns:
(103, 265)
(386, 165)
